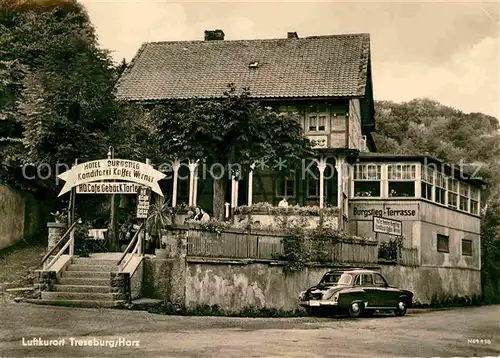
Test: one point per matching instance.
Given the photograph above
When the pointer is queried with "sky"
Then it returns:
(446, 51)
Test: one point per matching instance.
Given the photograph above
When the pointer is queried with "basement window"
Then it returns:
(466, 247)
(443, 243)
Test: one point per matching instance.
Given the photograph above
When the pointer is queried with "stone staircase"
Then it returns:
(86, 282)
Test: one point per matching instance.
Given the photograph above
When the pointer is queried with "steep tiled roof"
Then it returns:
(320, 66)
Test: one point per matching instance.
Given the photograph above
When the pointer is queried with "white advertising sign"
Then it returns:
(112, 169)
(387, 226)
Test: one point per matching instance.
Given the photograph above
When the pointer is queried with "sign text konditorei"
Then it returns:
(112, 169)
(387, 226)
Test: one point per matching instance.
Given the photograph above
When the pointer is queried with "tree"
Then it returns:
(59, 83)
(232, 130)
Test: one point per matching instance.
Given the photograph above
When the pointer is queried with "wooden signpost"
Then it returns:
(143, 200)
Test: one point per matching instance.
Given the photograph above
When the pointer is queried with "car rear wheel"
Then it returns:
(356, 309)
(401, 310)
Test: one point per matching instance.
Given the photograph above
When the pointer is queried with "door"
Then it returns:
(383, 294)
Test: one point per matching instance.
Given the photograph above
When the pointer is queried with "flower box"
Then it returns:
(266, 215)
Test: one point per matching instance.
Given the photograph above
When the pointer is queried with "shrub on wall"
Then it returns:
(389, 250)
(304, 246)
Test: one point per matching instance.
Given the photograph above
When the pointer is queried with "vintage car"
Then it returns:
(359, 292)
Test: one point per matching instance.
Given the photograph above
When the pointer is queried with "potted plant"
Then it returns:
(158, 219)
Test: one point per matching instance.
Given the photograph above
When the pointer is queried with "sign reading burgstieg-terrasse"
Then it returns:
(87, 177)
(398, 211)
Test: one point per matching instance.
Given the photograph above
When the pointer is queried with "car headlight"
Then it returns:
(302, 296)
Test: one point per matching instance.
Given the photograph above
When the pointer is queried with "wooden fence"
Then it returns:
(236, 244)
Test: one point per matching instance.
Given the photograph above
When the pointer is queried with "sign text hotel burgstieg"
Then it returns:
(111, 169)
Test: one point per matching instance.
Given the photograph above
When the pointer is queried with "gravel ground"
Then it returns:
(463, 332)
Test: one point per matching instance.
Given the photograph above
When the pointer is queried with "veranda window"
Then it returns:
(452, 193)
(313, 186)
(401, 180)
(367, 179)
(474, 200)
(440, 189)
(427, 182)
(464, 197)
(286, 187)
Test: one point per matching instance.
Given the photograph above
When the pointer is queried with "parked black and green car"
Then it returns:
(358, 292)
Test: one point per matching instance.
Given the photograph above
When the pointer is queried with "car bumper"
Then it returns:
(317, 303)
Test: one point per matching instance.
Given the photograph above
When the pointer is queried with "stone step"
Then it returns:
(94, 281)
(79, 303)
(92, 261)
(77, 296)
(87, 274)
(82, 288)
(93, 267)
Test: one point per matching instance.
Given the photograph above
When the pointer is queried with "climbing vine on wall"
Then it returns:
(304, 246)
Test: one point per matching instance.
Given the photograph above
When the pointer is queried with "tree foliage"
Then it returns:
(56, 84)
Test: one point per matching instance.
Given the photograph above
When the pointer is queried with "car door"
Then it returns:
(383, 294)
(369, 289)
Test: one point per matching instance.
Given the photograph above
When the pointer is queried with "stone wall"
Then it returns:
(136, 282)
(233, 284)
(434, 284)
(21, 216)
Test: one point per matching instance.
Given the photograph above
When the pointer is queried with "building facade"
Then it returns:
(327, 81)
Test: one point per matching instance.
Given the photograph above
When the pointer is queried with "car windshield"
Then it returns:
(331, 278)
(345, 279)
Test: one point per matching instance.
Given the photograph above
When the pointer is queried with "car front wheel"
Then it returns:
(401, 310)
(356, 309)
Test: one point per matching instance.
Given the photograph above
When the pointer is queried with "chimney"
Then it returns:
(292, 35)
(211, 35)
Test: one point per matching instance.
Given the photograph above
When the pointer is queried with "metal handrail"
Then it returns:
(61, 240)
(130, 244)
(136, 249)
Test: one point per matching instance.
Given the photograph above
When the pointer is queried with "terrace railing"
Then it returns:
(267, 246)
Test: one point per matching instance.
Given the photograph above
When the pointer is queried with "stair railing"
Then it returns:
(137, 250)
(70, 243)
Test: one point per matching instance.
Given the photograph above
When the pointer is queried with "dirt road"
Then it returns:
(457, 332)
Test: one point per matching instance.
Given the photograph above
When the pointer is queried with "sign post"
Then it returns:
(143, 202)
